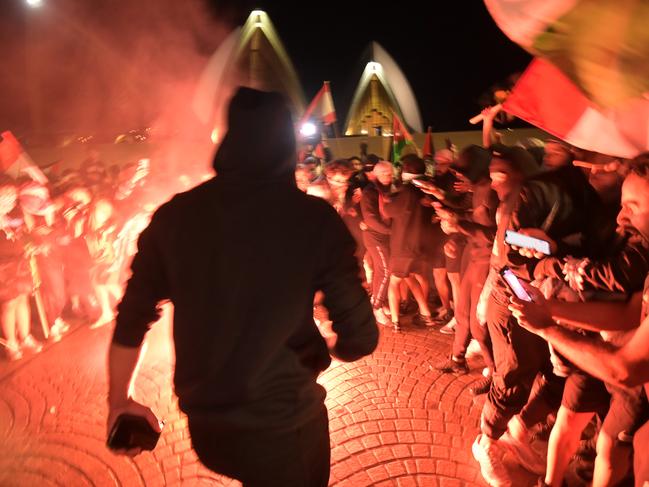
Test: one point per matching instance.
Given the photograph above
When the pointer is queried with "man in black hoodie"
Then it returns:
(241, 257)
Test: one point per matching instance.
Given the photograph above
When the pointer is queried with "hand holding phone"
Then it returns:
(514, 284)
(131, 432)
(527, 242)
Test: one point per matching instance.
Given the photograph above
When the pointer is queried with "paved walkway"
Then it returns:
(394, 420)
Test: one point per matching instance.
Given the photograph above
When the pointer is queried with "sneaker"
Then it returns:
(444, 315)
(526, 456)
(481, 386)
(14, 353)
(59, 328)
(453, 366)
(380, 317)
(396, 327)
(448, 328)
(31, 344)
(489, 456)
(422, 320)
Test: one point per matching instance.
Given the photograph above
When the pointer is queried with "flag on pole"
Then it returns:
(401, 137)
(602, 46)
(15, 162)
(322, 106)
(429, 144)
(548, 99)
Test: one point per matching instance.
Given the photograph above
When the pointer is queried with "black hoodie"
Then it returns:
(241, 257)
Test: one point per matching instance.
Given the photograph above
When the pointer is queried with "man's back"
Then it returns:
(241, 265)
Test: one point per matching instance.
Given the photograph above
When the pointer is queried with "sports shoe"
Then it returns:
(489, 455)
(453, 366)
(422, 321)
(14, 353)
(59, 328)
(30, 343)
(448, 328)
(526, 456)
(481, 386)
(380, 317)
(444, 315)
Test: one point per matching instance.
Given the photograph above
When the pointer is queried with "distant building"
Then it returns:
(382, 89)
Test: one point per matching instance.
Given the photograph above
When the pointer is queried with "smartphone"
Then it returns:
(131, 431)
(515, 284)
(527, 242)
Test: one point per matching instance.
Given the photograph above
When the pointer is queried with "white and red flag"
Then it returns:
(15, 162)
(548, 99)
(321, 107)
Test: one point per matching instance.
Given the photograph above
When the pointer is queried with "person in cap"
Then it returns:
(241, 257)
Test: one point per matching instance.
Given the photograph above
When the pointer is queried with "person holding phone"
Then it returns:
(242, 279)
(555, 202)
(619, 271)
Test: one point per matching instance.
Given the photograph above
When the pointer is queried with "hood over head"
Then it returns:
(260, 142)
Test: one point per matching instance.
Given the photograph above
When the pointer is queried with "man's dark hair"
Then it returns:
(413, 164)
(639, 165)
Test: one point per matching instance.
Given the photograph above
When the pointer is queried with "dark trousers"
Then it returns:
(466, 320)
(518, 357)
(545, 398)
(267, 458)
(380, 255)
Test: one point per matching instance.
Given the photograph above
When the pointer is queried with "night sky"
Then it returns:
(115, 64)
(451, 51)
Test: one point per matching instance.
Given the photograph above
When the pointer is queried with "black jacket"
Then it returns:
(241, 261)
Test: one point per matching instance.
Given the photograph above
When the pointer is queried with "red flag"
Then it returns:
(548, 99)
(15, 161)
(322, 106)
(429, 145)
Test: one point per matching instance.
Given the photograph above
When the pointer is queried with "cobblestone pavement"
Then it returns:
(394, 420)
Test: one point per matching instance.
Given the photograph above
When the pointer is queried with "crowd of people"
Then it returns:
(68, 243)
(442, 224)
(432, 242)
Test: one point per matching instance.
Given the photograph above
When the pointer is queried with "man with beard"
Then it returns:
(620, 354)
(612, 266)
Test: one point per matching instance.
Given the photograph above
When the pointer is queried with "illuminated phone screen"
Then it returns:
(527, 242)
(515, 285)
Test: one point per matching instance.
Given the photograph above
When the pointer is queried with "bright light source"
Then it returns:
(34, 3)
(308, 129)
(215, 135)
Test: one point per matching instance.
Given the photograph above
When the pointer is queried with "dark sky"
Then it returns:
(451, 51)
(118, 64)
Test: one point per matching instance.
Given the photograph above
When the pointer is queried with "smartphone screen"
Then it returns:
(527, 242)
(515, 285)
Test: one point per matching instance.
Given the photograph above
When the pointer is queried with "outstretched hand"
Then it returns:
(531, 253)
(535, 315)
